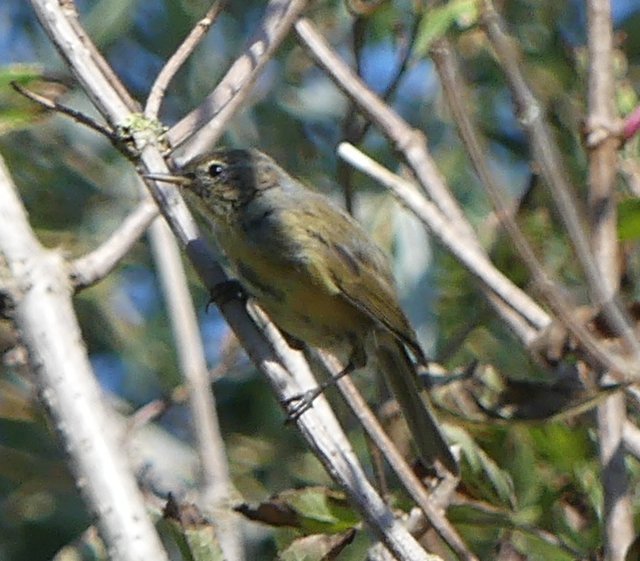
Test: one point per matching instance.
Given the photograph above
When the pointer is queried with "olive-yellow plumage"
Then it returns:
(314, 270)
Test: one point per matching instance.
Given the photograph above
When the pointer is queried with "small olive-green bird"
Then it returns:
(315, 272)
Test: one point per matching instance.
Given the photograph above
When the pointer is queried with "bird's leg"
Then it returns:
(297, 404)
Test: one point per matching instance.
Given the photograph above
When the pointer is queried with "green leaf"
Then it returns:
(21, 73)
(436, 22)
(312, 510)
(480, 471)
(629, 219)
(194, 535)
(317, 547)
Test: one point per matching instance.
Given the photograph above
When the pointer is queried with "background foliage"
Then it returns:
(77, 189)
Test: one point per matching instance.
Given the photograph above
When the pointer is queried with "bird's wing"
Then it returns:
(357, 268)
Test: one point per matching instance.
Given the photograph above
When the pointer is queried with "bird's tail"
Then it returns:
(401, 378)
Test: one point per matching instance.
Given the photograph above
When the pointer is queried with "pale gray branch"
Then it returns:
(174, 64)
(93, 267)
(217, 488)
(50, 331)
(547, 156)
(201, 128)
(603, 157)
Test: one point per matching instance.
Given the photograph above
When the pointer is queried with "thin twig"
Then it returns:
(217, 489)
(149, 412)
(96, 265)
(404, 58)
(548, 158)
(169, 70)
(476, 262)
(456, 91)
(494, 512)
(354, 128)
(411, 143)
(55, 106)
(205, 124)
(407, 477)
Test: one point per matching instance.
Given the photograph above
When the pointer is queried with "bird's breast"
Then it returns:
(298, 301)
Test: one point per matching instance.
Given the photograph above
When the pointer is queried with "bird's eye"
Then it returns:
(215, 170)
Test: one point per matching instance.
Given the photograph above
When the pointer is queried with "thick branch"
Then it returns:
(50, 331)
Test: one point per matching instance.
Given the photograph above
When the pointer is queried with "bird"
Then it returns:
(315, 272)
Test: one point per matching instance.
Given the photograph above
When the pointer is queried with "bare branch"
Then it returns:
(618, 512)
(183, 52)
(548, 158)
(205, 124)
(603, 157)
(476, 261)
(407, 477)
(604, 145)
(217, 489)
(93, 267)
(410, 142)
(55, 106)
(353, 127)
(50, 331)
(455, 90)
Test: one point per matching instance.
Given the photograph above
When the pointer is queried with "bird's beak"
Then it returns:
(180, 180)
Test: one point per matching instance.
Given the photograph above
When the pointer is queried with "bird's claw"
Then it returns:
(224, 292)
(298, 404)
